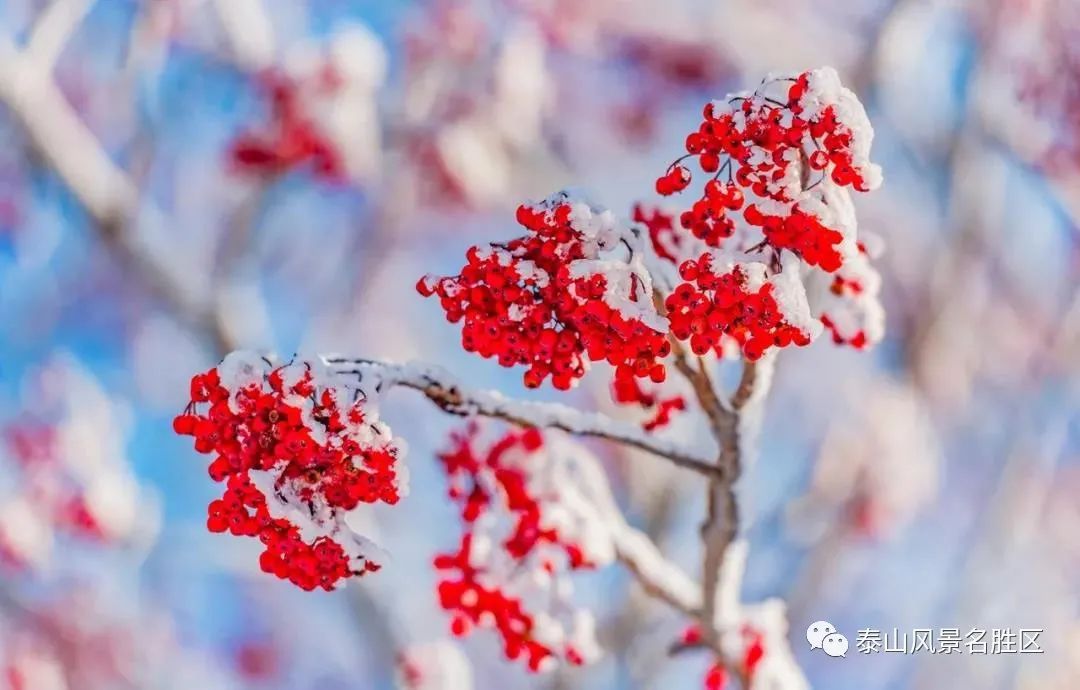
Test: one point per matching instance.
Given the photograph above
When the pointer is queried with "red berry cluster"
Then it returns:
(728, 301)
(291, 140)
(629, 391)
(708, 219)
(803, 234)
(542, 300)
(769, 144)
(295, 456)
(492, 579)
(674, 180)
(666, 242)
(58, 500)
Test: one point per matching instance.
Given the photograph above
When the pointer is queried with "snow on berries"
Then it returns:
(67, 452)
(527, 525)
(297, 452)
(739, 302)
(848, 301)
(781, 155)
(774, 218)
(572, 291)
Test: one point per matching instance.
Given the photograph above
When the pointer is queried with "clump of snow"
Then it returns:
(438, 665)
(67, 457)
(825, 90)
(339, 80)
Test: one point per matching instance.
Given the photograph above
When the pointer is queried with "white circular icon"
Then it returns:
(835, 644)
(816, 633)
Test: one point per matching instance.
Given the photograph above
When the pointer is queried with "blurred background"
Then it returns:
(179, 178)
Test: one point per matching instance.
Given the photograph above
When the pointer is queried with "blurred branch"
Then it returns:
(249, 32)
(53, 29)
(106, 193)
(658, 577)
(61, 138)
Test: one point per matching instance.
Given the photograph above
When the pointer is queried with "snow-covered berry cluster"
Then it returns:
(323, 110)
(559, 297)
(768, 152)
(783, 161)
(740, 302)
(297, 453)
(526, 527)
(67, 471)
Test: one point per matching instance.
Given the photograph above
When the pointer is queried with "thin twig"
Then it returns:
(443, 389)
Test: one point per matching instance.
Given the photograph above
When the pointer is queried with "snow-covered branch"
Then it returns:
(446, 391)
(27, 89)
(658, 577)
(721, 524)
(53, 29)
(249, 31)
(104, 190)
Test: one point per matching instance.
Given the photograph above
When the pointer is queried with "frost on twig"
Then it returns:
(450, 394)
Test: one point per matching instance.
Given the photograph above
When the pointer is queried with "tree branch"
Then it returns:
(107, 194)
(446, 391)
(53, 28)
(721, 524)
(658, 577)
(249, 32)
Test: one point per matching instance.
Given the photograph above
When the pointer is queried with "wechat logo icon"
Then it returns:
(822, 635)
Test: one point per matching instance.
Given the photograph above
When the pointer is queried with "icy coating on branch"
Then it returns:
(297, 453)
(451, 394)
